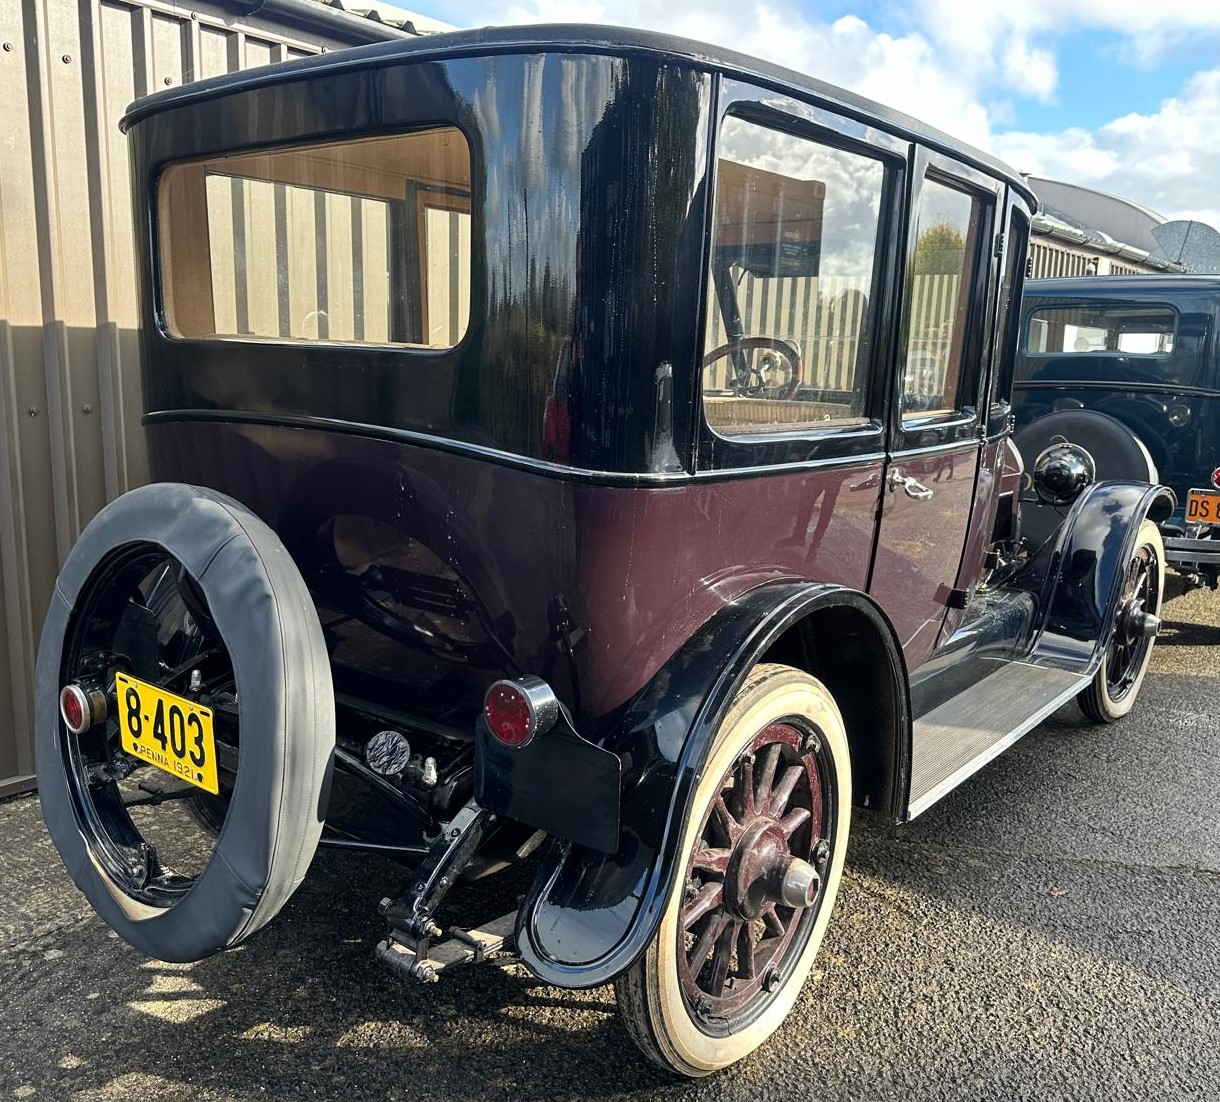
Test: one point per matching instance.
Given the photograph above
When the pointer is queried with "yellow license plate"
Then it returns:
(168, 731)
(1203, 507)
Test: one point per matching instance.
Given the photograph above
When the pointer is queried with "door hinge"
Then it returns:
(998, 250)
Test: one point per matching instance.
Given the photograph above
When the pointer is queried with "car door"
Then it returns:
(935, 432)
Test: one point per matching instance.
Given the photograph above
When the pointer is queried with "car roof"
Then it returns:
(575, 38)
(1121, 286)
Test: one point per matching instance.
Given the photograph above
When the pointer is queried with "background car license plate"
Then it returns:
(1203, 507)
(168, 731)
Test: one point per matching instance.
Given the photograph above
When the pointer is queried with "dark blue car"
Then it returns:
(1127, 367)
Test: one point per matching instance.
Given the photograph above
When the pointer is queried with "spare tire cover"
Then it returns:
(1120, 455)
(270, 627)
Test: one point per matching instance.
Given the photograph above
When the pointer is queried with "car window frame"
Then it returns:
(810, 121)
(965, 422)
(1013, 245)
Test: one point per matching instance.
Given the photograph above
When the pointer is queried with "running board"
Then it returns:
(960, 736)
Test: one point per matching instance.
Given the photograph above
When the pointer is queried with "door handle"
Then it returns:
(912, 487)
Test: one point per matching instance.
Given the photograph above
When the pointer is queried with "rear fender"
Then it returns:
(1080, 572)
(589, 915)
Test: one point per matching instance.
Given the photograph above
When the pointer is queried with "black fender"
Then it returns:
(589, 915)
(1079, 573)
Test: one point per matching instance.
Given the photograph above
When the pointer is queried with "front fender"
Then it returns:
(1083, 569)
(589, 915)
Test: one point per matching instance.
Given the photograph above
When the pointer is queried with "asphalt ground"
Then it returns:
(1051, 930)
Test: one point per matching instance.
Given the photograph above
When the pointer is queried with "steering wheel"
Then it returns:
(784, 359)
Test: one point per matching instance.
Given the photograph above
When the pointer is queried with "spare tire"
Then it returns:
(1119, 453)
(189, 597)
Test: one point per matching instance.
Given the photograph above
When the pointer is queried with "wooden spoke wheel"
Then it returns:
(762, 859)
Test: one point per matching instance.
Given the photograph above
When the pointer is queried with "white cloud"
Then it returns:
(1029, 70)
(1167, 160)
(973, 29)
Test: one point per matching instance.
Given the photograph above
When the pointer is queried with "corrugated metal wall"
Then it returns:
(70, 407)
(1050, 258)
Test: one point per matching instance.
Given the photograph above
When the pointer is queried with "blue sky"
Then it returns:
(1120, 95)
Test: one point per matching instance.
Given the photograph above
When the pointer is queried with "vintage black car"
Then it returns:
(1127, 367)
(576, 445)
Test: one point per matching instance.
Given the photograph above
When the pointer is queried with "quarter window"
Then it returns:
(794, 260)
(362, 241)
(936, 378)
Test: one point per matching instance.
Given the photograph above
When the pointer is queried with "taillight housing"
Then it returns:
(80, 708)
(518, 710)
(1216, 478)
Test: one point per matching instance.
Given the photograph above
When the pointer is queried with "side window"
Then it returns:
(948, 224)
(793, 261)
(1127, 330)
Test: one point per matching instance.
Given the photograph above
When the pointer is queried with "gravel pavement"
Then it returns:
(1048, 931)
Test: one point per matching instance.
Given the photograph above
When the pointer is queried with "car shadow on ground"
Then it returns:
(1188, 635)
(305, 1001)
(1088, 856)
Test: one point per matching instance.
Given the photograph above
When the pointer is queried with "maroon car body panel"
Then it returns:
(638, 568)
(926, 539)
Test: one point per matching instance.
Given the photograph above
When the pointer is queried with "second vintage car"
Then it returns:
(1128, 367)
(579, 443)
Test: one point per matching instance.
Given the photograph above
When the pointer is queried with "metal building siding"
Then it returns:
(69, 373)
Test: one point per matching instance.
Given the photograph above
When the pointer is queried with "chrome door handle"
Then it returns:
(912, 487)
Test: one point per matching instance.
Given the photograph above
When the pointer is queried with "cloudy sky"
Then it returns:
(1120, 95)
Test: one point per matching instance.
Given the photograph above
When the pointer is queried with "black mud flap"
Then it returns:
(559, 783)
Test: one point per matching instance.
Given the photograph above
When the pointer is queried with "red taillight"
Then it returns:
(74, 707)
(508, 714)
(1216, 478)
(518, 710)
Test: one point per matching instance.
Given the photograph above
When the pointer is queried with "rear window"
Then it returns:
(1116, 330)
(363, 241)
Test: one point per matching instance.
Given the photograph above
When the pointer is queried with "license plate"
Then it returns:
(1203, 507)
(168, 731)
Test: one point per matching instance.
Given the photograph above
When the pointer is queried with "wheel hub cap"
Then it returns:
(1137, 623)
(762, 871)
